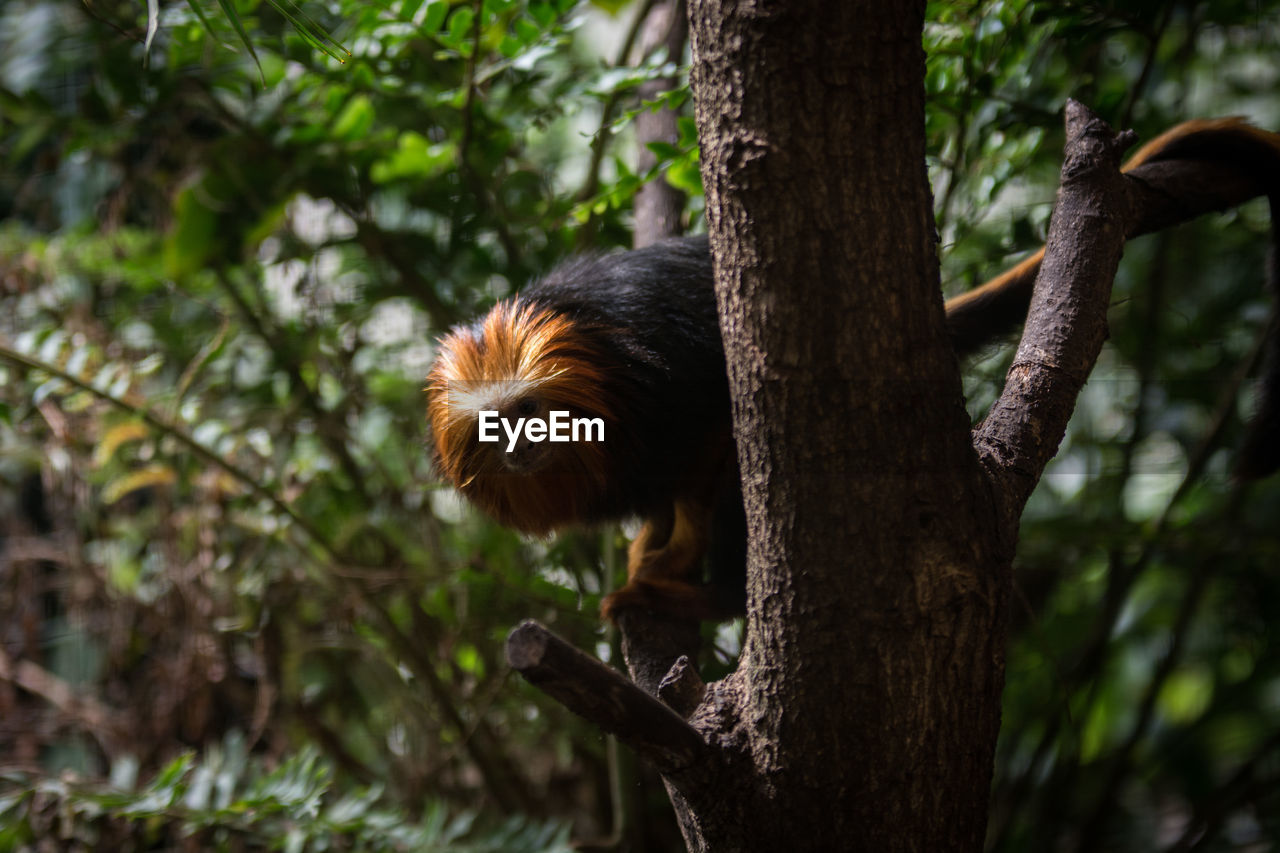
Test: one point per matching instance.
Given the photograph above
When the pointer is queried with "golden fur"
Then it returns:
(521, 349)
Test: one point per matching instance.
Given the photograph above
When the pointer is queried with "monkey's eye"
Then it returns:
(527, 407)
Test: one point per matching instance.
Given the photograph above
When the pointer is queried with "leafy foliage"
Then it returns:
(221, 277)
(227, 803)
(1135, 716)
(224, 254)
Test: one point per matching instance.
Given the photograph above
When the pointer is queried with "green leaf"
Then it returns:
(191, 241)
(204, 19)
(173, 773)
(309, 29)
(460, 28)
(355, 120)
(229, 9)
(415, 157)
(409, 9)
(686, 176)
(1186, 694)
(688, 131)
(664, 150)
(437, 11)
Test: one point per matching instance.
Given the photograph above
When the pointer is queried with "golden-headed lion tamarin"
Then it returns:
(630, 339)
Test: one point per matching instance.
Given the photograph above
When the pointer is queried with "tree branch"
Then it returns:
(658, 205)
(600, 141)
(1162, 194)
(604, 697)
(80, 706)
(1067, 321)
(132, 405)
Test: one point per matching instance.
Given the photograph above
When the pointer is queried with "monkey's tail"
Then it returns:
(1240, 162)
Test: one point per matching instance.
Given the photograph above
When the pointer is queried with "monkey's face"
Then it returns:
(498, 413)
(495, 392)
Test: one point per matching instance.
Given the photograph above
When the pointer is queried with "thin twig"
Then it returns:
(601, 139)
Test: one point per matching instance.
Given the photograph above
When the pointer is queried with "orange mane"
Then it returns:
(523, 349)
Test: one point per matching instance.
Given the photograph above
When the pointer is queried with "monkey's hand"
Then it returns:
(663, 564)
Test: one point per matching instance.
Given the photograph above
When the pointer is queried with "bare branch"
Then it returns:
(80, 706)
(1067, 321)
(604, 697)
(658, 205)
(1163, 193)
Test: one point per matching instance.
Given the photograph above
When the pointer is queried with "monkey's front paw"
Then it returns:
(671, 597)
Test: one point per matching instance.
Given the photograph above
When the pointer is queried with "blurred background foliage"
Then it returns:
(238, 612)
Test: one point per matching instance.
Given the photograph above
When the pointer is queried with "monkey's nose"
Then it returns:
(526, 457)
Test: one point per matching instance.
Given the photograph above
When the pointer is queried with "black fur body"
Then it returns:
(653, 311)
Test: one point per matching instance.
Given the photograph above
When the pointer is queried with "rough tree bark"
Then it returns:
(866, 703)
(864, 710)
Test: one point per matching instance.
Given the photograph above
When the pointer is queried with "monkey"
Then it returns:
(631, 339)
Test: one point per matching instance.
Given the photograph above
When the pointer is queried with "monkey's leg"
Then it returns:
(663, 564)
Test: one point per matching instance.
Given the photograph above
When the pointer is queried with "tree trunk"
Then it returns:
(864, 711)
(867, 701)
